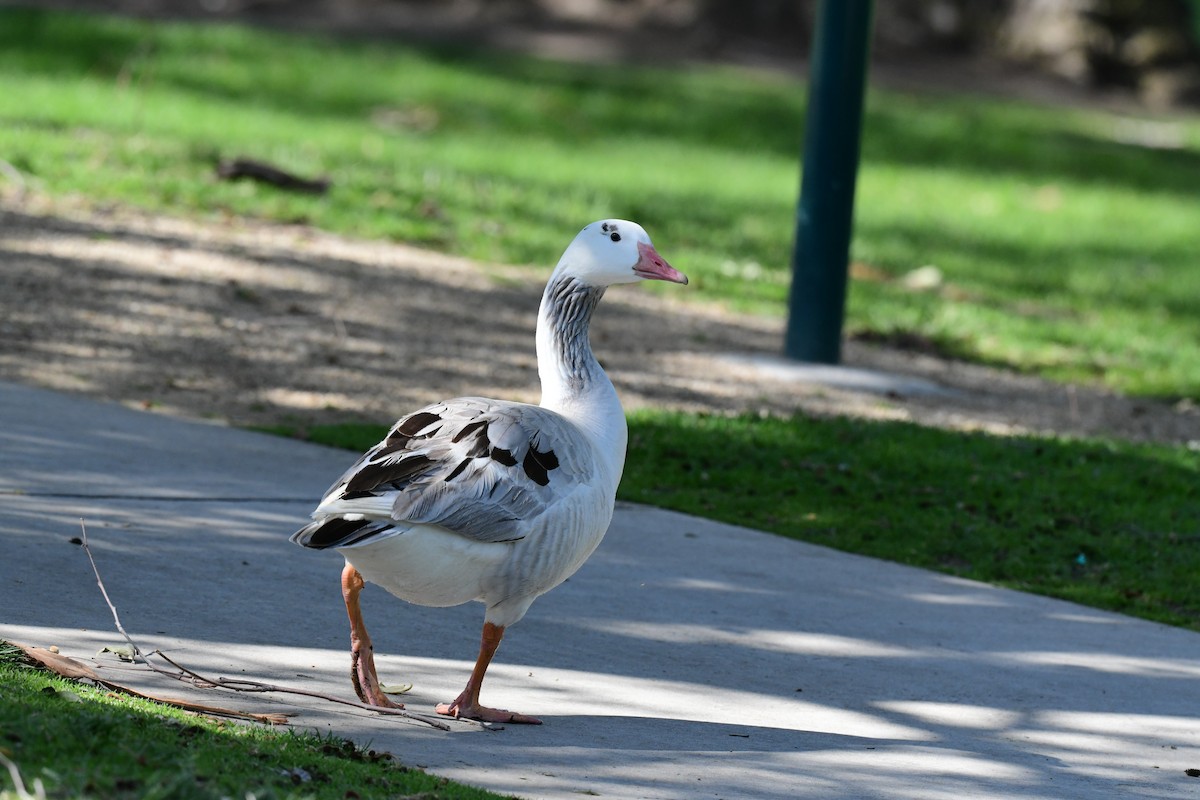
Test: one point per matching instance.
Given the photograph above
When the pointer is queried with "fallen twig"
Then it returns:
(78, 671)
(269, 718)
(201, 682)
(266, 173)
(96, 571)
(242, 685)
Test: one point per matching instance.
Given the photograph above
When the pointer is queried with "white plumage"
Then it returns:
(490, 500)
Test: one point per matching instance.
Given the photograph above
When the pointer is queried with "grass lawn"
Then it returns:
(88, 742)
(1067, 249)
(1066, 245)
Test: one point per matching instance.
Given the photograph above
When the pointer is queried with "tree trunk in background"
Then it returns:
(1145, 45)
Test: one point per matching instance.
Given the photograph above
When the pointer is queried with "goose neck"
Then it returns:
(566, 365)
(573, 382)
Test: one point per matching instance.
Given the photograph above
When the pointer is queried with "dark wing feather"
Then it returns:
(482, 468)
(338, 532)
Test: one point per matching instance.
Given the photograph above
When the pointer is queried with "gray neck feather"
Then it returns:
(569, 307)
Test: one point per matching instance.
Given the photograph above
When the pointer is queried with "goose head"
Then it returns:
(613, 251)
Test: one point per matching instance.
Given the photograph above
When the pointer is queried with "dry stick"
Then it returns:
(226, 683)
(270, 718)
(241, 685)
(268, 173)
(84, 543)
(75, 670)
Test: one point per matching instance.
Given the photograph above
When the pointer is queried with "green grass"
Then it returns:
(1109, 525)
(86, 742)
(1066, 250)
(1105, 524)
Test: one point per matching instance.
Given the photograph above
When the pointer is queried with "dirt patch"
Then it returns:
(249, 323)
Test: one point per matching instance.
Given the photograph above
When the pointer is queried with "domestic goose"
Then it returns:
(490, 500)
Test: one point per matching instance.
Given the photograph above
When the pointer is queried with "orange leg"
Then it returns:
(467, 704)
(362, 653)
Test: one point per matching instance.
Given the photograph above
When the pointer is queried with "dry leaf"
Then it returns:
(58, 664)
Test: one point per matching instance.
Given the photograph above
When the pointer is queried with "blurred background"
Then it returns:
(1144, 48)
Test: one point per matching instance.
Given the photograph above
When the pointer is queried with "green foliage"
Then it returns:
(1065, 237)
(86, 742)
(1194, 8)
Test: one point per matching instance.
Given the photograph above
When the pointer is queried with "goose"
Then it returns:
(475, 499)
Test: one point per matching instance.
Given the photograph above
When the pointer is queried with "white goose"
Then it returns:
(490, 500)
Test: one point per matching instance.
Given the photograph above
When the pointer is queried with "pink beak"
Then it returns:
(653, 267)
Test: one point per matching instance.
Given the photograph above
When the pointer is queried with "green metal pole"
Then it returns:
(824, 218)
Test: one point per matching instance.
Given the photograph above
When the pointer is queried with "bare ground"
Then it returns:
(249, 323)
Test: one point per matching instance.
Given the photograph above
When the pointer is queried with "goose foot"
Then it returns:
(466, 705)
(461, 709)
(366, 681)
(362, 652)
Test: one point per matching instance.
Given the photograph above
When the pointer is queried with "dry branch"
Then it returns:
(199, 681)
(78, 671)
(266, 173)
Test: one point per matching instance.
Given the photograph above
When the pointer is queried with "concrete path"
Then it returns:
(687, 659)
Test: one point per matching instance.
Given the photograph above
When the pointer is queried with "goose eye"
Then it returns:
(616, 237)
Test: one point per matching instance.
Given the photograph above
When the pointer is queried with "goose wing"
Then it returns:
(481, 468)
